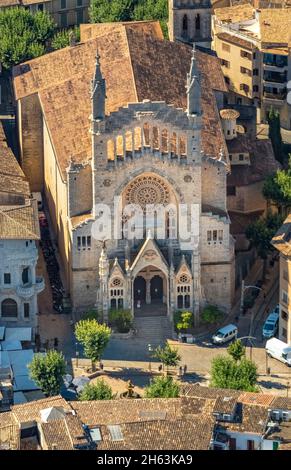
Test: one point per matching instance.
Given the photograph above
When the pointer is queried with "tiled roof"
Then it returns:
(281, 241)
(225, 405)
(12, 178)
(19, 222)
(251, 418)
(31, 411)
(64, 434)
(250, 398)
(262, 160)
(194, 434)
(197, 390)
(12, 3)
(281, 403)
(235, 14)
(6, 419)
(136, 66)
(90, 31)
(232, 38)
(270, 18)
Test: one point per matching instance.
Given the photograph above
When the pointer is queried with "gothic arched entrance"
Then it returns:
(139, 289)
(157, 289)
(150, 292)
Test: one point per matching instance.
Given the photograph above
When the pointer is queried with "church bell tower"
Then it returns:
(190, 21)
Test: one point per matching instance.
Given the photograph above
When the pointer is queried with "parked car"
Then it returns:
(225, 334)
(279, 350)
(270, 327)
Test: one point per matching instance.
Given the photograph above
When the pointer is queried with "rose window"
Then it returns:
(116, 282)
(146, 190)
(184, 279)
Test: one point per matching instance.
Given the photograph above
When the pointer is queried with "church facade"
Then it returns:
(111, 144)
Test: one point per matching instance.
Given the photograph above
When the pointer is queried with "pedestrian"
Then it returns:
(56, 343)
(101, 365)
(185, 369)
(160, 367)
(180, 371)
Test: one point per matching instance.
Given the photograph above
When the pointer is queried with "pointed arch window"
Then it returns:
(197, 22)
(185, 24)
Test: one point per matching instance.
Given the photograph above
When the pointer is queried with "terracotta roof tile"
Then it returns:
(9, 437)
(129, 65)
(235, 14)
(31, 411)
(19, 222)
(255, 398)
(161, 435)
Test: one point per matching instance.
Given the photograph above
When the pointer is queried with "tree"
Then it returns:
(227, 373)
(211, 314)
(184, 321)
(275, 134)
(277, 188)
(121, 319)
(106, 11)
(236, 350)
(162, 387)
(23, 35)
(94, 337)
(152, 10)
(62, 38)
(47, 371)
(98, 391)
(260, 234)
(168, 356)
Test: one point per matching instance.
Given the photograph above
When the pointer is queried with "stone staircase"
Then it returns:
(153, 330)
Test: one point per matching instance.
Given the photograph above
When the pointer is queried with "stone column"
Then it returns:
(169, 144)
(133, 144)
(142, 140)
(124, 145)
(161, 141)
(148, 291)
(171, 295)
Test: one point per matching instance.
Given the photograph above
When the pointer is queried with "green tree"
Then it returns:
(98, 391)
(106, 11)
(211, 314)
(168, 356)
(47, 371)
(185, 321)
(23, 35)
(273, 119)
(277, 188)
(260, 234)
(236, 350)
(94, 337)
(227, 373)
(121, 319)
(62, 38)
(162, 387)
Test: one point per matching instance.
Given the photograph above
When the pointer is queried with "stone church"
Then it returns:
(137, 124)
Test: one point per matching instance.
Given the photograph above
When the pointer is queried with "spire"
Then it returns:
(98, 92)
(193, 87)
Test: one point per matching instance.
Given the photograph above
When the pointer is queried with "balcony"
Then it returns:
(275, 77)
(280, 97)
(25, 291)
(39, 286)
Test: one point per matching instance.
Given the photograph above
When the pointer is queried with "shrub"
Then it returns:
(211, 314)
(98, 391)
(121, 319)
(162, 387)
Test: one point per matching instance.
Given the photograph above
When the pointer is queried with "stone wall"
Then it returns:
(31, 140)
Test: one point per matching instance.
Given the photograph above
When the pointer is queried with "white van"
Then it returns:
(279, 350)
(225, 334)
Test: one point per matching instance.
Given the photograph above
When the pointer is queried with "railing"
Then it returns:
(39, 286)
(275, 96)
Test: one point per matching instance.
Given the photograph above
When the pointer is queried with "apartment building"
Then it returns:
(64, 12)
(282, 242)
(254, 50)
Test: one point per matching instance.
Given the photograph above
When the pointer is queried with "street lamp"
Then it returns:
(243, 289)
(251, 347)
(150, 351)
(77, 355)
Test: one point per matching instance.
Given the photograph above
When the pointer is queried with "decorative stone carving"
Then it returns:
(187, 178)
(150, 255)
(149, 189)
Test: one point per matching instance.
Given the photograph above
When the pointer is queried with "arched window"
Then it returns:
(25, 276)
(146, 133)
(9, 308)
(116, 293)
(184, 291)
(197, 22)
(185, 24)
